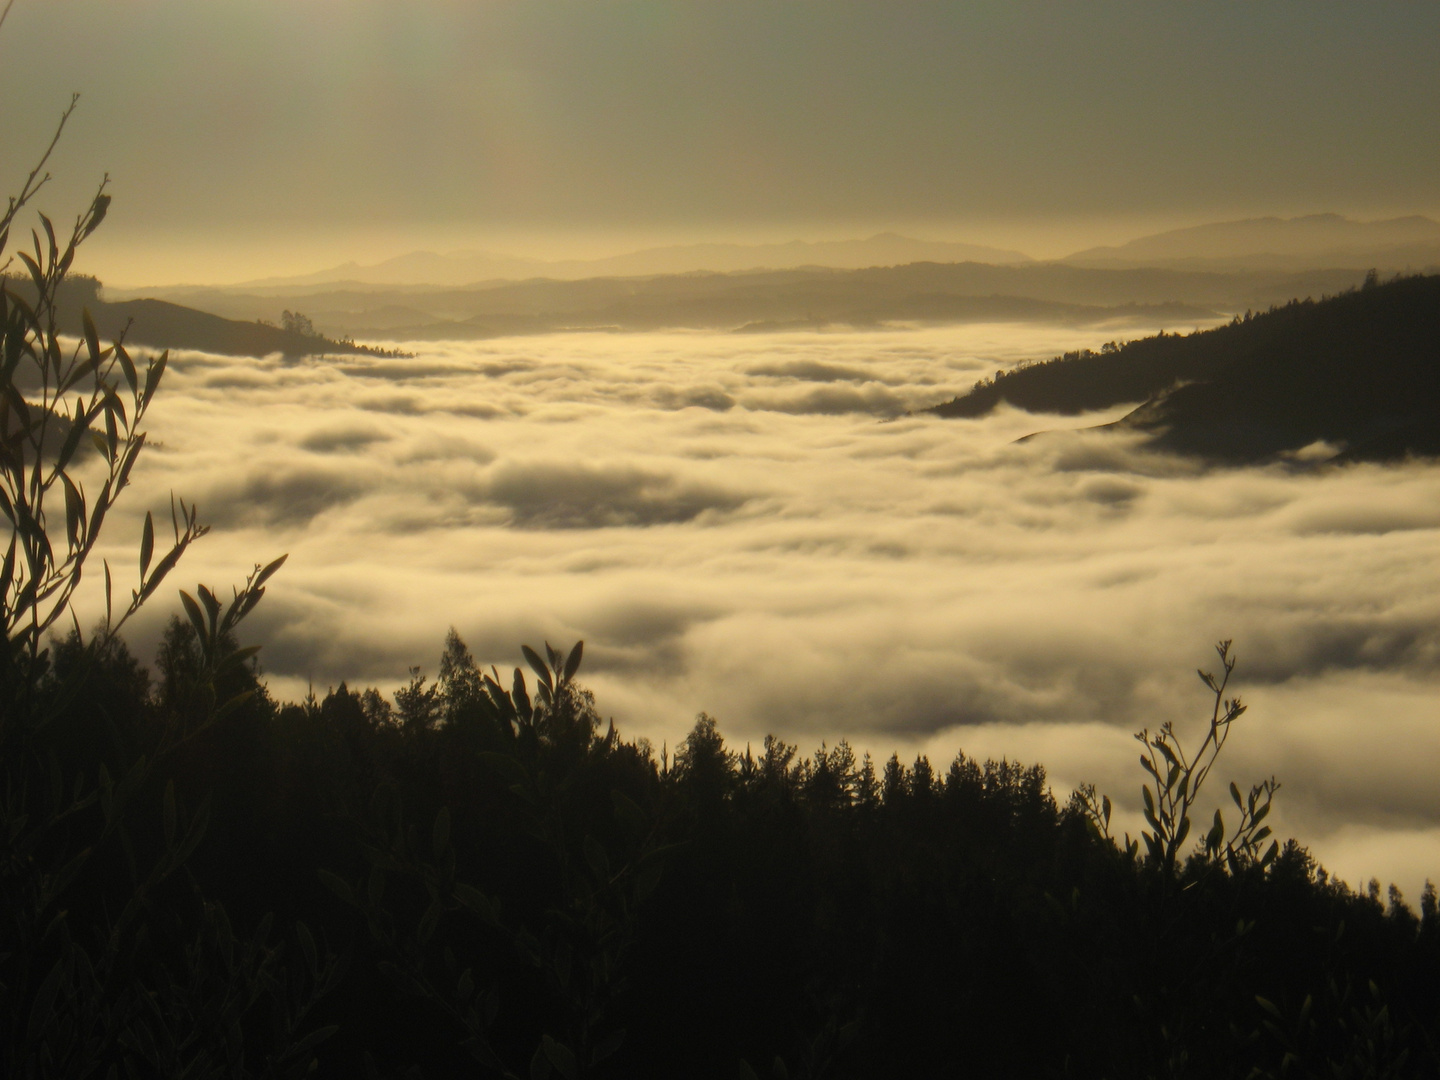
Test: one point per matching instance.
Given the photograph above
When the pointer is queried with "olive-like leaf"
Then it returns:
(92, 339)
(152, 377)
(192, 609)
(74, 511)
(572, 662)
(519, 696)
(269, 570)
(128, 367)
(536, 664)
(98, 210)
(1217, 833)
(147, 543)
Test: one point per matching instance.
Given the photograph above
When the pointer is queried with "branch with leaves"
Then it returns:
(66, 413)
(1176, 779)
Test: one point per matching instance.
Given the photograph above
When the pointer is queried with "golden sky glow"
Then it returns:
(365, 127)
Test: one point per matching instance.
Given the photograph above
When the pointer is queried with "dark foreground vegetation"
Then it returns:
(479, 880)
(485, 879)
(1360, 371)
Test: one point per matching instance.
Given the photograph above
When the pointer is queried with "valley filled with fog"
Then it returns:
(752, 525)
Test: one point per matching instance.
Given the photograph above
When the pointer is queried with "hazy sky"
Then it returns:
(282, 134)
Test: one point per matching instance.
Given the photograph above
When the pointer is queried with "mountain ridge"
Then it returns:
(1359, 371)
(787, 296)
(1306, 242)
(463, 268)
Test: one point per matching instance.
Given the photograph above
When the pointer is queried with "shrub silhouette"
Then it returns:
(109, 958)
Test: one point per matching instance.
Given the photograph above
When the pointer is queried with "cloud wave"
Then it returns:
(727, 523)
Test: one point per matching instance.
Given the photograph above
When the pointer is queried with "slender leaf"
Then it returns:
(192, 609)
(92, 339)
(536, 664)
(147, 544)
(128, 367)
(572, 662)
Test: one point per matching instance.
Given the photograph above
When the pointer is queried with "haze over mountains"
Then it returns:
(932, 293)
(1314, 241)
(1185, 277)
(1310, 242)
(471, 267)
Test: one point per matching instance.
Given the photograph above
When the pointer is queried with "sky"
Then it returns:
(247, 137)
(748, 525)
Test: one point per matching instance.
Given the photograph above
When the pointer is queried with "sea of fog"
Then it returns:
(750, 525)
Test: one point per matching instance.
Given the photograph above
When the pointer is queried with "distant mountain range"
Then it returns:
(917, 292)
(1359, 371)
(1312, 242)
(1317, 241)
(1185, 276)
(473, 267)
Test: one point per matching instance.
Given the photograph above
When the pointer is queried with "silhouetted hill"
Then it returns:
(1360, 370)
(1272, 243)
(160, 324)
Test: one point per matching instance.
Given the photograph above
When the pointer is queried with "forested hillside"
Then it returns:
(1359, 371)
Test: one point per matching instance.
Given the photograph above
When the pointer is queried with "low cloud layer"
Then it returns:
(285, 497)
(750, 525)
(566, 495)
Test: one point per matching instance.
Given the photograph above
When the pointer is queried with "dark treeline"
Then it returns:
(477, 880)
(1360, 369)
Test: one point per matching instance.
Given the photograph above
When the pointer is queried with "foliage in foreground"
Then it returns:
(484, 879)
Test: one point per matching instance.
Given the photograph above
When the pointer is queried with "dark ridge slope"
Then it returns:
(162, 325)
(1085, 381)
(1360, 369)
(159, 324)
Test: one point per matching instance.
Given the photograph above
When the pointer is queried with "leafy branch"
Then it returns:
(1176, 779)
